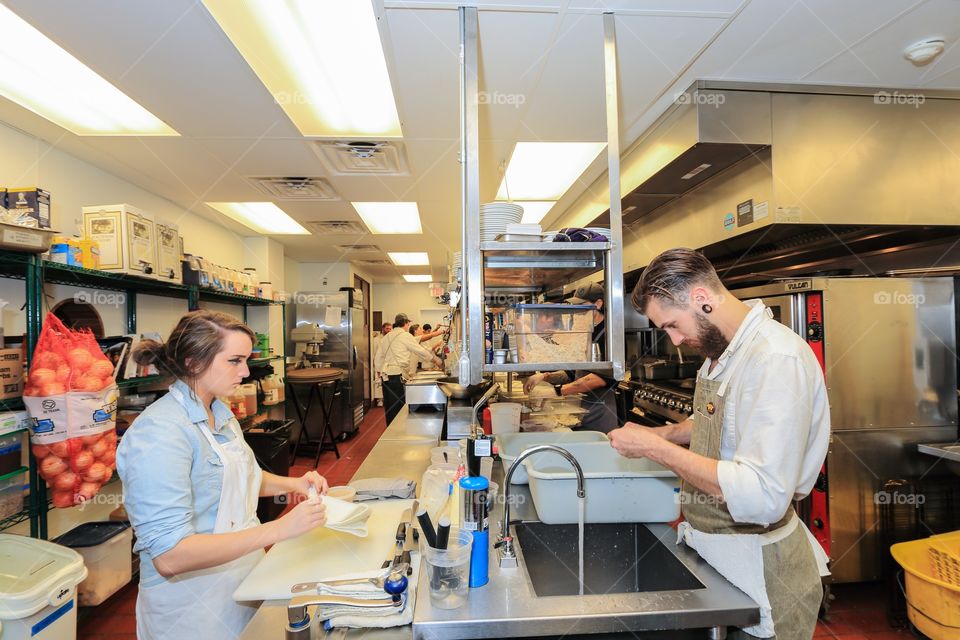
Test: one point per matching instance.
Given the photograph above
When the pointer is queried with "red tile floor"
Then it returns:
(858, 611)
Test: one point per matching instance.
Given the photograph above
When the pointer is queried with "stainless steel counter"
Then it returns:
(507, 606)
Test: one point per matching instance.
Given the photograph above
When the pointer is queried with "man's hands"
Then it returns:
(634, 441)
(533, 381)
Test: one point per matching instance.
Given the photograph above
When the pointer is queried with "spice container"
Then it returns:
(552, 332)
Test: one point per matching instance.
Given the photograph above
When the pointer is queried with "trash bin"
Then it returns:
(270, 441)
(38, 594)
(106, 550)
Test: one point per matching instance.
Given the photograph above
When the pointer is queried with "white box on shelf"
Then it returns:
(127, 238)
(106, 550)
(169, 267)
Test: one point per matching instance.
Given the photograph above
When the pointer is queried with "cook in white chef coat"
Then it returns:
(191, 485)
(757, 441)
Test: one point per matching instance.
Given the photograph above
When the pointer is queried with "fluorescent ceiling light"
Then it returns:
(390, 217)
(409, 277)
(322, 61)
(534, 212)
(414, 258)
(42, 77)
(263, 217)
(545, 170)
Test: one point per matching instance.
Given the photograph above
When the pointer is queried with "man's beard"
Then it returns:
(710, 343)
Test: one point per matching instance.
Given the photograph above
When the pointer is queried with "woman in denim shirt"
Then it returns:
(191, 486)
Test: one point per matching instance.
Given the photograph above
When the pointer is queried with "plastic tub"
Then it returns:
(38, 598)
(932, 571)
(552, 332)
(11, 450)
(105, 547)
(618, 489)
(513, 444)
(448, 570)
(505, 417)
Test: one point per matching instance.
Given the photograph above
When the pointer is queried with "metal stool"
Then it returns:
(322, 385)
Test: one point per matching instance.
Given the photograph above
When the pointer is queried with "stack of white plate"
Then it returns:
(495, 216)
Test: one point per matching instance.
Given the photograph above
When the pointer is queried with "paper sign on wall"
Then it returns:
(331, 317)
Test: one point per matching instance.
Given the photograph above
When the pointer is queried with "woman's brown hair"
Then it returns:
(192, 345)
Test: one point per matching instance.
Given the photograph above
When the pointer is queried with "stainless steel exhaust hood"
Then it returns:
(707, 131)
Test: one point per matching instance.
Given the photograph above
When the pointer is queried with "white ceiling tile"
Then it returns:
(666, 6)
(882, 52)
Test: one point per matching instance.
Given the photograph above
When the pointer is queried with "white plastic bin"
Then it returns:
(38, 597)
(618, 489)
(513, 444)
(105, 547)
(505, 417)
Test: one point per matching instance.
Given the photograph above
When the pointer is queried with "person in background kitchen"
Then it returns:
(393, 363)
(191, 485)
(757, 441)
(597, 389)
(374, 346)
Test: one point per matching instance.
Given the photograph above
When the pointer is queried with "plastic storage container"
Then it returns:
(11, 494)
(513, 444)
(552, 332)
(38, 598)
(105, 547)
(618, 489)
(932, 570)
(249, 392)
(505, 417)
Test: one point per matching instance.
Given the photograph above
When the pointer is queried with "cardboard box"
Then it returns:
(33, 202)
(169, 254)
(11, 373)
(127, 238)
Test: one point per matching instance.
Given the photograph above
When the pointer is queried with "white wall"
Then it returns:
(408, 298)
(324, 277)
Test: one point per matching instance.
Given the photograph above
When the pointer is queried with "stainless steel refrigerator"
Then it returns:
(341, 316)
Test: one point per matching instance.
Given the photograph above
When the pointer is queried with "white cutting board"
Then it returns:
(323, 554)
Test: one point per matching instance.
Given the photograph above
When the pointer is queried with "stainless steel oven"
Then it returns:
(887, 349)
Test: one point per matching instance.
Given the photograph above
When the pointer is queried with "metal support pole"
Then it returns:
(472, 345)
(34, 320)
(613, 280)
(131, 302)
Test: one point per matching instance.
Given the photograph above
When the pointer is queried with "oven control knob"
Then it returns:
(671, 403)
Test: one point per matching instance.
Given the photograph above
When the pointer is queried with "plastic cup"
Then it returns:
(505, 417)
(448, 570)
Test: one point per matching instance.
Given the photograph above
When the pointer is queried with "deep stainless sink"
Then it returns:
(618, 558)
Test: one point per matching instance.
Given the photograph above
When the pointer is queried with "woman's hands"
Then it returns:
(301, 485)
(304, 517)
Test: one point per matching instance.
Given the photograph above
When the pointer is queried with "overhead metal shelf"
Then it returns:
(510, 265)
(523, 367)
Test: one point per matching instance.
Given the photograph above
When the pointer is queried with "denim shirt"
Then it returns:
(171, 476)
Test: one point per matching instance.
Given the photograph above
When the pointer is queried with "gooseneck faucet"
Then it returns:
(506, 554)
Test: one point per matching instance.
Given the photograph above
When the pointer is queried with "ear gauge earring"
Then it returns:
(707, 308)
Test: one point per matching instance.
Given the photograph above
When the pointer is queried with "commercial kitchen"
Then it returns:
(476, 278)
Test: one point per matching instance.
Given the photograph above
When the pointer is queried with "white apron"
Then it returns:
(199, 604)
(736, 550)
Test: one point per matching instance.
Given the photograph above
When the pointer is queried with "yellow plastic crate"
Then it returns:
(932, 570)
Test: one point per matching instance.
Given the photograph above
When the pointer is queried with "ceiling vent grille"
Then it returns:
(375, 261)
(296, 188)
(356, 247)
(351, 158)
(335, 227)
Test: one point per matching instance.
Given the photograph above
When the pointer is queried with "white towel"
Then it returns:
(344, 516)
(383, 488)
(362, 617)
